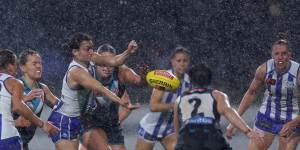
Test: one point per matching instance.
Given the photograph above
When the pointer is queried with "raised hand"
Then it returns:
(132, 46)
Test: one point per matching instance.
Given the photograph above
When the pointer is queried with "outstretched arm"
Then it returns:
(16, 89)
(255, 85)
(127, 75)
(115, 60)
(249, 96)
(84, 79)
(225, 109)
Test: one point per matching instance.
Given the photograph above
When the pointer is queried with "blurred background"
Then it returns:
(232, 37)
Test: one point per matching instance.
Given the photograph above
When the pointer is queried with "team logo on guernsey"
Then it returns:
(270, 81)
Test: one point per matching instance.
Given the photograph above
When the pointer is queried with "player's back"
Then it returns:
(198, 106)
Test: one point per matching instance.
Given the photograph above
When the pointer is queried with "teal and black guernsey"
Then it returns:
(106, 112)
(86, 97)
(36, 105)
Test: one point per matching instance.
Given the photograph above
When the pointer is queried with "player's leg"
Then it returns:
(144, 141)
(67, 138)
(116, 138)
(264, 144)
(95, 139)
(292, 142)
(169, 142)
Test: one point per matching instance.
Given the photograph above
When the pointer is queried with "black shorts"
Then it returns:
(27, 133)
(204, 137)
(108, 122)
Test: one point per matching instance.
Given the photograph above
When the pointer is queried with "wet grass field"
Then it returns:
(130, 126)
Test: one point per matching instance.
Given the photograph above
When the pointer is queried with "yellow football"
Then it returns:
(162, 79)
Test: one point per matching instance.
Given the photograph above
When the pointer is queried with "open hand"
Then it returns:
(288, 128)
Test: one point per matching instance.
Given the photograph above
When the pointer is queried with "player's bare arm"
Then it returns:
(127, 75)
(156, 104)
(176, 119)
(115, 60)
(16, 88)
(84, 79)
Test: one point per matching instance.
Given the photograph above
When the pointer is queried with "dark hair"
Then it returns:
(200, 75)
(23, 57)
(75, 41)
(282, 42)
(180, 49)
(106, 48)
(7, 57)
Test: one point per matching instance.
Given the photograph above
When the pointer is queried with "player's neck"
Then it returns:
(83, 63)
(30, 82)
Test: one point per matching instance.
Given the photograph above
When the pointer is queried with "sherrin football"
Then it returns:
(162, 79)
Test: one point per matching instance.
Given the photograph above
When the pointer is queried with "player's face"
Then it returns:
(180, 63)
(85, 51)
(105, 71)
(33, 67)
(281, 55)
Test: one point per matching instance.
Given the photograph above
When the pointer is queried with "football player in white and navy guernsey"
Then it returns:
(157, 125)
(11, 95)
(279, 112)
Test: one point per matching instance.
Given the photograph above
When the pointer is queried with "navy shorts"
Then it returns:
(69, 126)
(267, 124)
(13, 143)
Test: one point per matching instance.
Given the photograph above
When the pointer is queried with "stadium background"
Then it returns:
(232, 37)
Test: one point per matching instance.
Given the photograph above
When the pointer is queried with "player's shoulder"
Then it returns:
(219, 95)
(261, 70)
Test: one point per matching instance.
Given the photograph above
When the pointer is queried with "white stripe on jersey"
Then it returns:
(150, 122)
(8, 129)
(281, 101)
(70, 106)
